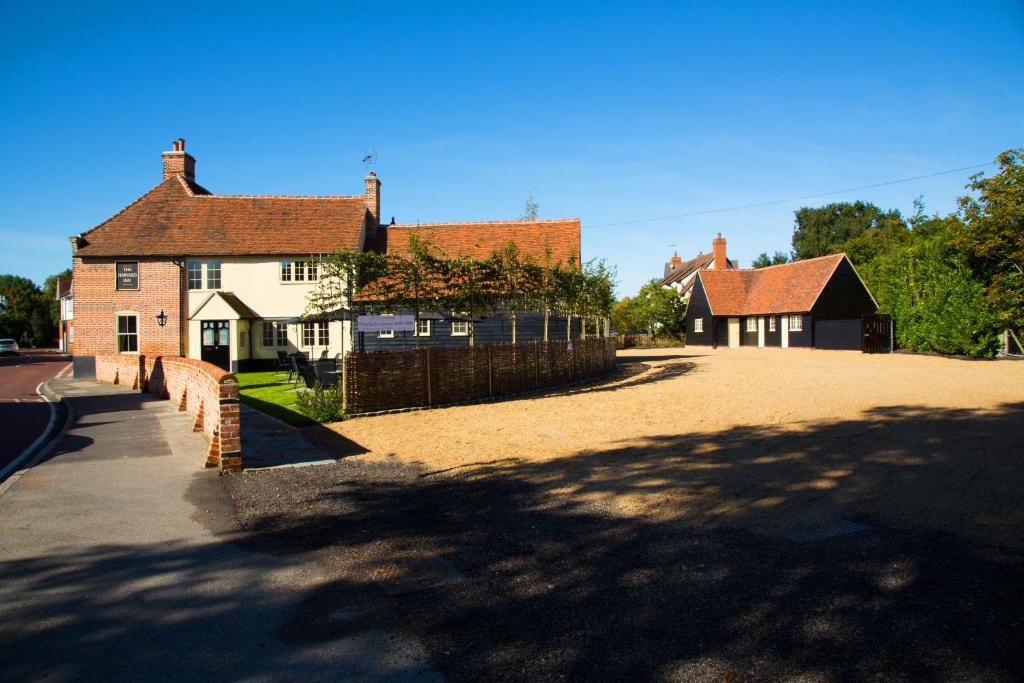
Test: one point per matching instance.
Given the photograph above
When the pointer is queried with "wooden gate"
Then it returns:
(877, 332)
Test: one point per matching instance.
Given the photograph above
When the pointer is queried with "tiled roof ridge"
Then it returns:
(137, 200)
(281, 196)
(210, 195)
(838, 257)
(507, 221)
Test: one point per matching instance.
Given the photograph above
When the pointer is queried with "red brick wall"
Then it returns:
(97, 301)
(204, 390)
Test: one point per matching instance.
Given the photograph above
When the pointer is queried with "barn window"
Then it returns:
(460, 328)
(771, 323)
(751, 324)
(698, 324)
(796, 323)
(422, 328)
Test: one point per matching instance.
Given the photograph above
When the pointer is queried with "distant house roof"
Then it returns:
(481, 239)
(180, 218)
(786, 288)
(687, 268)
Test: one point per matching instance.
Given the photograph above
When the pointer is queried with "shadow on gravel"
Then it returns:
(884, 546)
(683, 559)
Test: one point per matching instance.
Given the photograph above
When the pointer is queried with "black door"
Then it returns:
(217, 343)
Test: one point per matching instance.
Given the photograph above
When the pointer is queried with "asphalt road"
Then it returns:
(23, 414)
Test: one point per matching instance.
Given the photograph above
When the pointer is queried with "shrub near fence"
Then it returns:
(391, 380)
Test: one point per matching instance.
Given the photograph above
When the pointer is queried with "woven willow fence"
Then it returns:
(390, 380)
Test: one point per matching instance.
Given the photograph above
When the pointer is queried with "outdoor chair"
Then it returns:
(325, 373)
(308, 375)
(323, 354)
(298, 361)
(283, 364)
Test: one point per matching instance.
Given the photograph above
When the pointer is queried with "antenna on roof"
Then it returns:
(673, 245)
(369, 159)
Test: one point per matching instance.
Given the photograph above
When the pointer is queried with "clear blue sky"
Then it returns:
(606, 111)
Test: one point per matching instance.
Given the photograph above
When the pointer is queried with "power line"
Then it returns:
(784, 201)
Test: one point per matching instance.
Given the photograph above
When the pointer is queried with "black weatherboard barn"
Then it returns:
(818, 303)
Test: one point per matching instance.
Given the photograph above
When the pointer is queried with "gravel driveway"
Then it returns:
(768, 513)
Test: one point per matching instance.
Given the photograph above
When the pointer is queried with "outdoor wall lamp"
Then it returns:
(162, 318)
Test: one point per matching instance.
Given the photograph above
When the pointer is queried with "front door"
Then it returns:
(785, 331)
(760, 332)
(734, 333)
(217, 343)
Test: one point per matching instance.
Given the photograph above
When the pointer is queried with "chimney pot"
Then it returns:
(179, 162)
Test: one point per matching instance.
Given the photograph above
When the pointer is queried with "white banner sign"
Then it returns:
(386, 323)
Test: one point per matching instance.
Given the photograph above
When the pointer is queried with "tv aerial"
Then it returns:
(370, 158)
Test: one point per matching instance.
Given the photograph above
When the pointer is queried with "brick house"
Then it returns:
(225, 278)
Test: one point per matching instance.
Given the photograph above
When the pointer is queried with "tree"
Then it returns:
(530, 210)
(657, 309)
(927, 285)
(821, 231)
(992, 235)
(29, 313)
(763, 260)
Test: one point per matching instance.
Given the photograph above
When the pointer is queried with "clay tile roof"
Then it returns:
(179, 218)
(481, 239)
(786, 288)
(699, 262)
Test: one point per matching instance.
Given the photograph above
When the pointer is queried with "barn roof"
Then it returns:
(785, 288)
(481, 239)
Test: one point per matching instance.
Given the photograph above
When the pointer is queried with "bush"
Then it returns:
(321, 404)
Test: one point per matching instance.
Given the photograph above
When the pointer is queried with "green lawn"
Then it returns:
(270, 393)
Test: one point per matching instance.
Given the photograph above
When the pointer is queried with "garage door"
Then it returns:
(837, 334)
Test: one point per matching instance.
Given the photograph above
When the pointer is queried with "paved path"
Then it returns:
(267, 442)
(23, 414)
(120, 560)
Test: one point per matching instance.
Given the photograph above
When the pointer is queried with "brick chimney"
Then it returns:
(373, 197)
(674, 263)
(718, 249)
(179, 162)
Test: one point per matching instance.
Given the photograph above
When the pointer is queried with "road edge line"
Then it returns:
(46, 441)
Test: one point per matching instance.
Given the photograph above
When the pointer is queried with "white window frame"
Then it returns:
(418, 333)
(751, 324)
(462, 330)
(194, 268)
(268, 331)
(284, 273)
(386, 334)
(298, 271)
(118, 334)
(698, 324)
(771, 323)
(282, 334)
(796, 323)
(323, 334)
(308, 334)
(209, 277)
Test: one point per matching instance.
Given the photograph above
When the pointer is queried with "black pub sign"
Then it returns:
(126, 275)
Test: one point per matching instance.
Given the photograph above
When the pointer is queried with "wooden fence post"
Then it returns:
(536, 364)
(427, 350)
